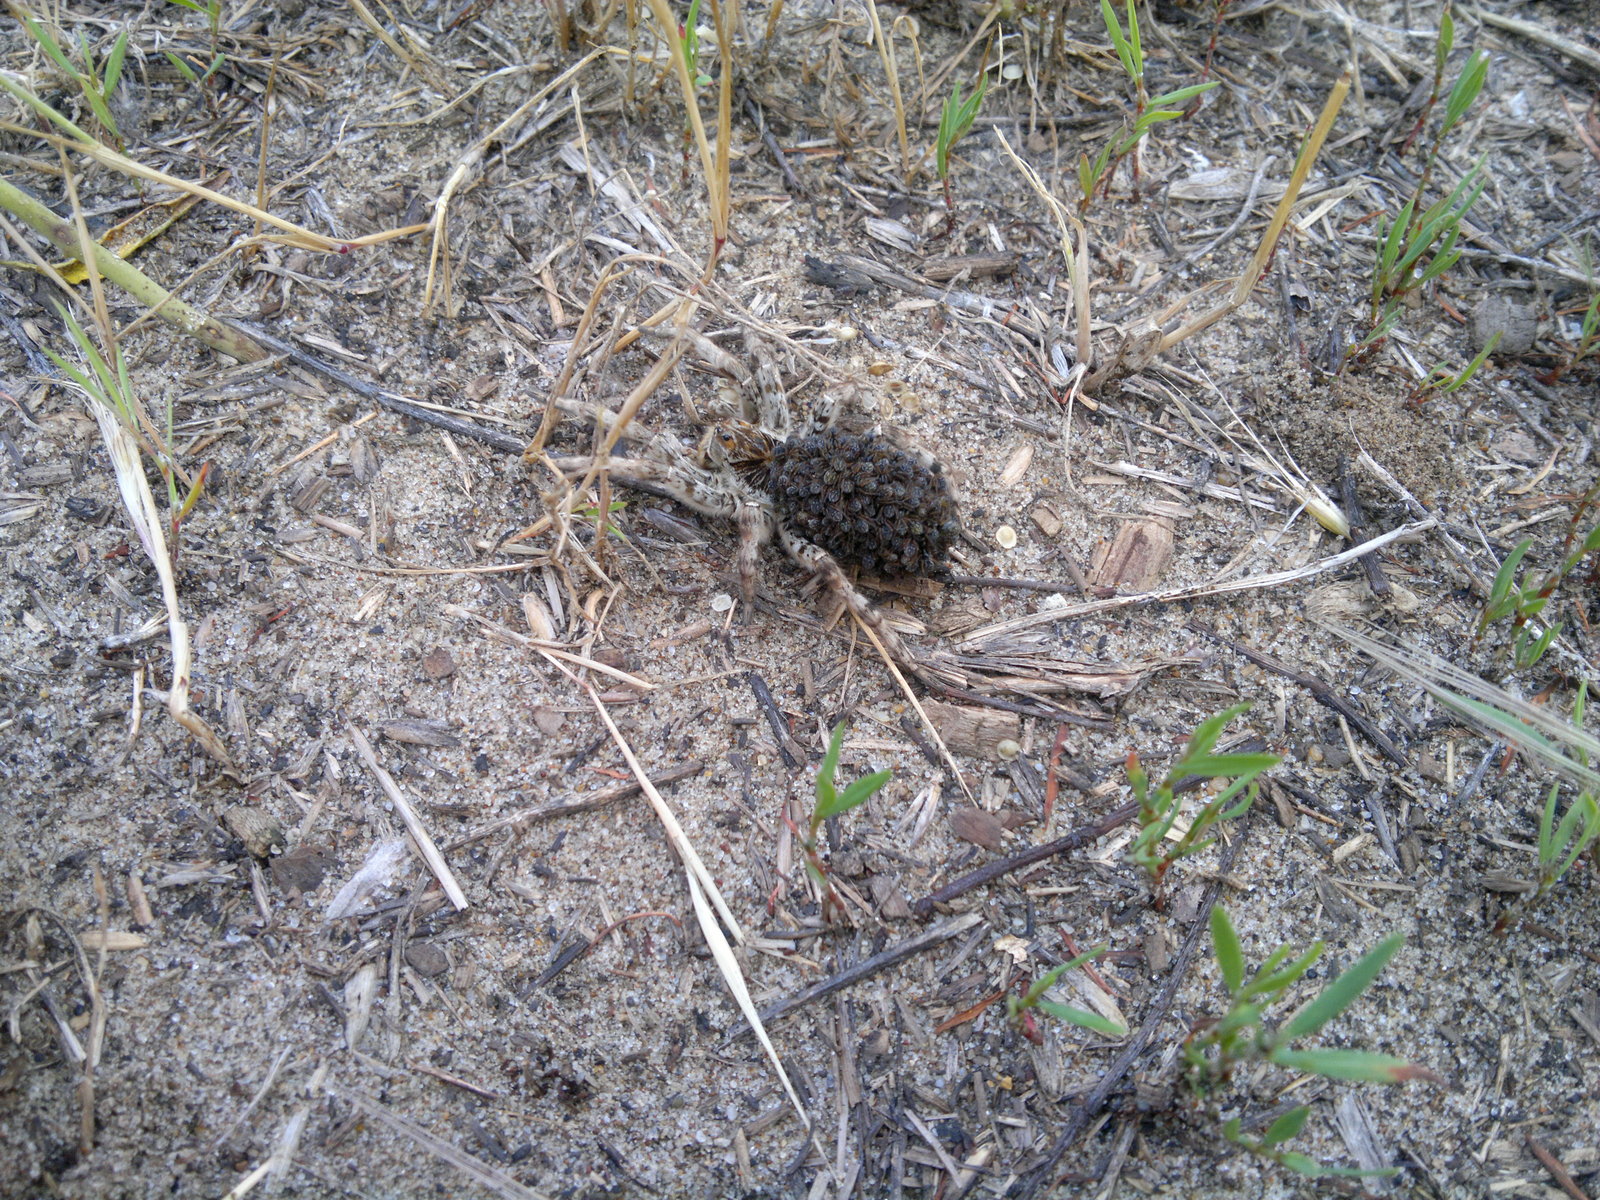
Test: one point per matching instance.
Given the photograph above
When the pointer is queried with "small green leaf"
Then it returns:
(1286, 1126)
(1357, 1066)
(1342, 992)
(1227, 950)
(1271, 979)
(1466, 89)
(1118, 38)
(1206, 733)
(856, 794)
(113, 71)
(830, 764)
(1220, 766)
(1299, 1162)
(1182, 95)
(184, 68)
(49, 46)
(1079, 1016)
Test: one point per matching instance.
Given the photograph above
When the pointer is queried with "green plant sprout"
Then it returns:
(1524, 601)
(95, 84)
(198, 79)
(830, 802)
(212, 11)
(955, 120)
(689, 47)
(1019, 1009)
(1442, 381)
(1562, 843)
(592, 512)
(1465, 90)
(1430, 232)
(1218, 1047)
(689, 44)
(110, 385)
(1588, 339)
(1269, 1146)
(1147, 112)
(1159, 808)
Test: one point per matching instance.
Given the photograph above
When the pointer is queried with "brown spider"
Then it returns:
(824, 494)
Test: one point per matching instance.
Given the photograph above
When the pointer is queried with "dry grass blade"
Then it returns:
(1198, 591)
(1534, 729)
(438, 222)
(888, 661)
(474, 1169)
(140, 503)
(728, 964)
(702, 886)
(1077, 260)
(669, 820)
(419, 834)
(1280, 218)
(714, 163)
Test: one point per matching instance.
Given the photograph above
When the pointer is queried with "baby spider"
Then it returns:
(825, 495)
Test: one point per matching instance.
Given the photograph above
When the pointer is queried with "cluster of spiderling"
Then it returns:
(865, 500)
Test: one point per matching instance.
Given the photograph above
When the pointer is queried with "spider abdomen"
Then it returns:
(898, 515)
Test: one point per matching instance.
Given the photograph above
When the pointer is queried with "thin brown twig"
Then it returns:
(1558, 1172)
(880, 961)
(384, 399)
(1320, 691)
(990, 872)
(549, 812)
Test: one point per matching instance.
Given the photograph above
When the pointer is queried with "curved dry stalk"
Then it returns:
(892, 71)
(438, 222)
(713, 163)
(1280, 218)
(61, 235)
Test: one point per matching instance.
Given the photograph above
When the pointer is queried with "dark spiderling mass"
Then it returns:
(865, 500)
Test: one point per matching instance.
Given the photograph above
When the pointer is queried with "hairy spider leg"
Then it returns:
(809, 556)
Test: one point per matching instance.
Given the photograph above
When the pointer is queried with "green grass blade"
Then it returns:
(1079, 1016)
(1342, 992)
(1118, 39)
(1287, 1126)
(184, 68)
(1183, 95)
(1206, 733)
(1270, 983)
(1226, 949)
(856, 794)
(49, 46)
(830, 764)
(1466, 89)
(1443, 43)
(114, 61)
(1354, 1066)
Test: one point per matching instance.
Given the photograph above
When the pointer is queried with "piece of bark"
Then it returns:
(978, 827)
(1138, 556)
(975, 731)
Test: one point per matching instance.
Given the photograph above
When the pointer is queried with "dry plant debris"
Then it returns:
(406, 769)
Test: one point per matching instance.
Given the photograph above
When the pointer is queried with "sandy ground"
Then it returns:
(351, 573)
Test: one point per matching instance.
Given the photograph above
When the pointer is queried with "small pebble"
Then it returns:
(437, 663)
(1515, 323)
